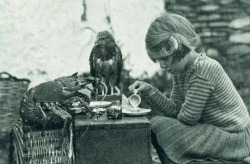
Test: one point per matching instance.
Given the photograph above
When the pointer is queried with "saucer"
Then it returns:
(98, 110)
(77, 110)
(139, 112)
(100, 104)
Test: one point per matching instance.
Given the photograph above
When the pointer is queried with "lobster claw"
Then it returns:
(83, 81)
(86, 106)
(74, 99)
(97, 84)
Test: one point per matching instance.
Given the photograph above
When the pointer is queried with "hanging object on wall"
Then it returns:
(84, 14)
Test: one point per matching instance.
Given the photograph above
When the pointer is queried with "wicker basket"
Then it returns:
(29, 146)
(11, 92)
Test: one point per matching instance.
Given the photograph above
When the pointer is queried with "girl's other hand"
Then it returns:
(141, 87)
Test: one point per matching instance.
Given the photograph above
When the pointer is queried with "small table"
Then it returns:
(124, 141)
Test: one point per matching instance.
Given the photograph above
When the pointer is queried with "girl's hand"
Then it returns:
(141, 87)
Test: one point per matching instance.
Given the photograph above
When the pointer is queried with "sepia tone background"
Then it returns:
(42, 40)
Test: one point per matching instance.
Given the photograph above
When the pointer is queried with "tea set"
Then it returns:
(115, 111)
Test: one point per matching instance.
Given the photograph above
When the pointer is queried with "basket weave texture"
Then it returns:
(12, 90)
(29, 146)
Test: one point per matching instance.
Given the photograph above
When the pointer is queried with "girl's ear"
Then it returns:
(177, 46)
(171, 46)
(175, 43)
(180, 51)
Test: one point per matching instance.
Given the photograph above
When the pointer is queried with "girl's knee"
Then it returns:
(157, 121)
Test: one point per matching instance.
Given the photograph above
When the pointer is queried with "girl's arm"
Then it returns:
(188, 110)
(200, 90)
(170, 107)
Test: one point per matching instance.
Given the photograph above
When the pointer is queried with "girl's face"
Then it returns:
(166, 60)
(168, 63)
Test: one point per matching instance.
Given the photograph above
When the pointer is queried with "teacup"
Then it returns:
(134, 101)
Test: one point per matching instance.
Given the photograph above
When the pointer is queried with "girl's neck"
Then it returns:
(191, 57)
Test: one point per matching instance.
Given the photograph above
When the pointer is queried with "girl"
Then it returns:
(205, 117)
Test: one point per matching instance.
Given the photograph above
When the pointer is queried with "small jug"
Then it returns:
(134, 100)
(114, 112)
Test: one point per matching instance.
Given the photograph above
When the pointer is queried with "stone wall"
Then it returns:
(224, 28)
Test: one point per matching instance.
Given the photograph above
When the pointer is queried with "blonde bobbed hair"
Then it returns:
(174, 25)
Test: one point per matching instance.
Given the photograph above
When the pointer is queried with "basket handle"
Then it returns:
(6, 75)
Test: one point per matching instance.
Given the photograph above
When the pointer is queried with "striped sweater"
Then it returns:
(204, 94)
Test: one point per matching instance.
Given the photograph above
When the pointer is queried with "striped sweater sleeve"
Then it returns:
(169, 107)
(160, 102)
(200, 90)
(176, 95)
(188, 111)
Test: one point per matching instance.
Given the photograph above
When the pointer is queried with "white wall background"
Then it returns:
(45, 39)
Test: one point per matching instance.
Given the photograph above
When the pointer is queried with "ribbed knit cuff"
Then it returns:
(151, 94)
(153, 97)
(161, 103)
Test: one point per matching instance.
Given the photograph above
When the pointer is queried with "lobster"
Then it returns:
(49, 104)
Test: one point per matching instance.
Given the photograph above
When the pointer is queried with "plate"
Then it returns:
(139, 112)
(77, 110)
(100, 104)
(98, 110)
